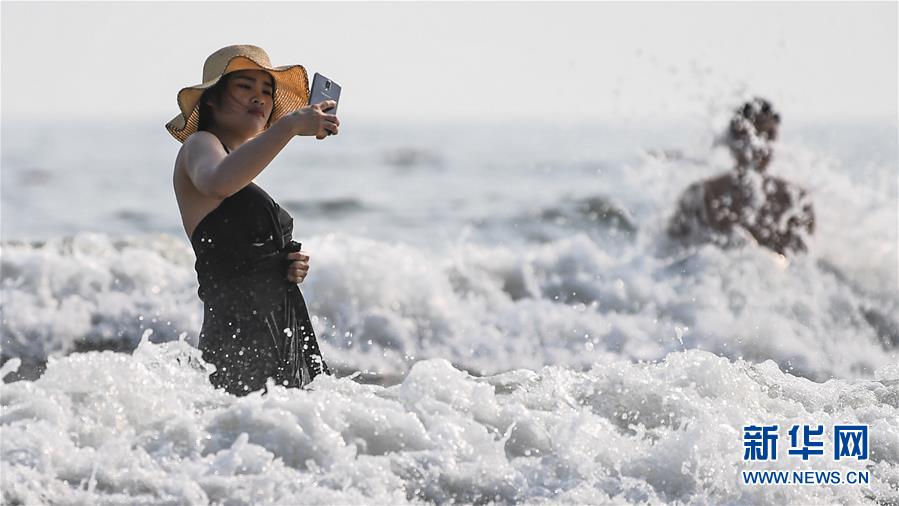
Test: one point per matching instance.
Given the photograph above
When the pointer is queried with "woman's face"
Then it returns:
(246, 102)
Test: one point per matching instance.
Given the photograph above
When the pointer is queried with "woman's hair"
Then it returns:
(205, 120)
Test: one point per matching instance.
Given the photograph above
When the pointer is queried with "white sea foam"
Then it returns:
(486, 262)
(112, 428)
(381, 307)
(91, 290)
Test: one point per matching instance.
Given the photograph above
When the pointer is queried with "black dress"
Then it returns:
(255, 324)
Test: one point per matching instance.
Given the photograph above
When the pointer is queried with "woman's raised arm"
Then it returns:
(217, 174)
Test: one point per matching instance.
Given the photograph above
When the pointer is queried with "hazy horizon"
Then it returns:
(571, 62)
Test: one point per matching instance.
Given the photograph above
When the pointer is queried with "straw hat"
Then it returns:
(291, 86)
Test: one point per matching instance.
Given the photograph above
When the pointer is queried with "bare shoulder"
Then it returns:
(198, 141)
(198, 159)
(201, 142)
(194, 148)
(201, 136)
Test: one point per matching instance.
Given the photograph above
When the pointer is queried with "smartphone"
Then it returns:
(324, 89)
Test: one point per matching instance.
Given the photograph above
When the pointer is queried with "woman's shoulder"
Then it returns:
(201, 137)
(199, 145)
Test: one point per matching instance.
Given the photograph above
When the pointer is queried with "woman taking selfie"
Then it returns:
(255, 325)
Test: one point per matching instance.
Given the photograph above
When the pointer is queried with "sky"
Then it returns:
(462, 61)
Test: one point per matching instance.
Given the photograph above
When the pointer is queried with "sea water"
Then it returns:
(532, 333)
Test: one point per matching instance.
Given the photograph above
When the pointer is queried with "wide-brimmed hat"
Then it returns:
(291, 86)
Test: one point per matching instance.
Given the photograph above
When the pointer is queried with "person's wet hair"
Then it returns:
(752, 115)
(751, 133)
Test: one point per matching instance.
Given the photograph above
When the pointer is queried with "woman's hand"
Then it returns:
(299, 267)
(312, 120)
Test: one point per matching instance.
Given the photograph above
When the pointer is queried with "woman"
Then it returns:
(255, 323)
(747, 203)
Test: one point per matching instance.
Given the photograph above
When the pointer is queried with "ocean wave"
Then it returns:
(596, 211)
(570, 302)
(380, 307)
(103, 427)
(94, 291)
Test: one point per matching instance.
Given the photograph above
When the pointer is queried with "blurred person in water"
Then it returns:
(746, 204)
(256, 326)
